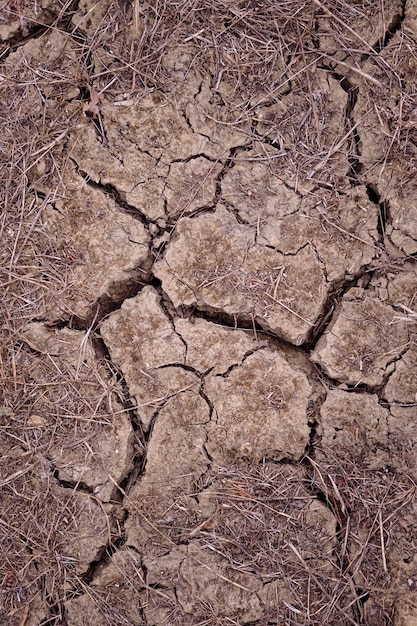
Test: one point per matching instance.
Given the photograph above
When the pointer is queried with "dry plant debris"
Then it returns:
(208, 312)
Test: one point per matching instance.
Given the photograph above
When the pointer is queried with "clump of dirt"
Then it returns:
(208, 313)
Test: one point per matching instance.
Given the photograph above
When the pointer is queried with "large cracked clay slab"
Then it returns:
(259, 411)
(354, 423)
(342, 227)
(362, 341)
(217, 394)
(104, 251)
(235, 360)
(158, 164)
(213, 263)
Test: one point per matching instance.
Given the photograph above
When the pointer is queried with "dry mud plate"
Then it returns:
(208, 313)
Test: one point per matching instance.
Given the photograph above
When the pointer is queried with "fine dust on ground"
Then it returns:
(208, 366)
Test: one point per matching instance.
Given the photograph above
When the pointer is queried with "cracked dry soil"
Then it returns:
(208, 313)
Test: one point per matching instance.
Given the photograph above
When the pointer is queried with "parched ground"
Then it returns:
(208, 309)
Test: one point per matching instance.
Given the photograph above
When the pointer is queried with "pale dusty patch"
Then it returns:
(212, 349)
(204, 580)
(362, 341)
(354, 424)
(213, 263)
(259, 411)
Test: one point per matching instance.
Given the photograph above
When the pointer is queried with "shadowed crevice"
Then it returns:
(394, 26)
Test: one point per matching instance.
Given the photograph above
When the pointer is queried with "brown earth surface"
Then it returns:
(208, 312)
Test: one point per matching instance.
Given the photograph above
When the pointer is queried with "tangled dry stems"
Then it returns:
(314, 533)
